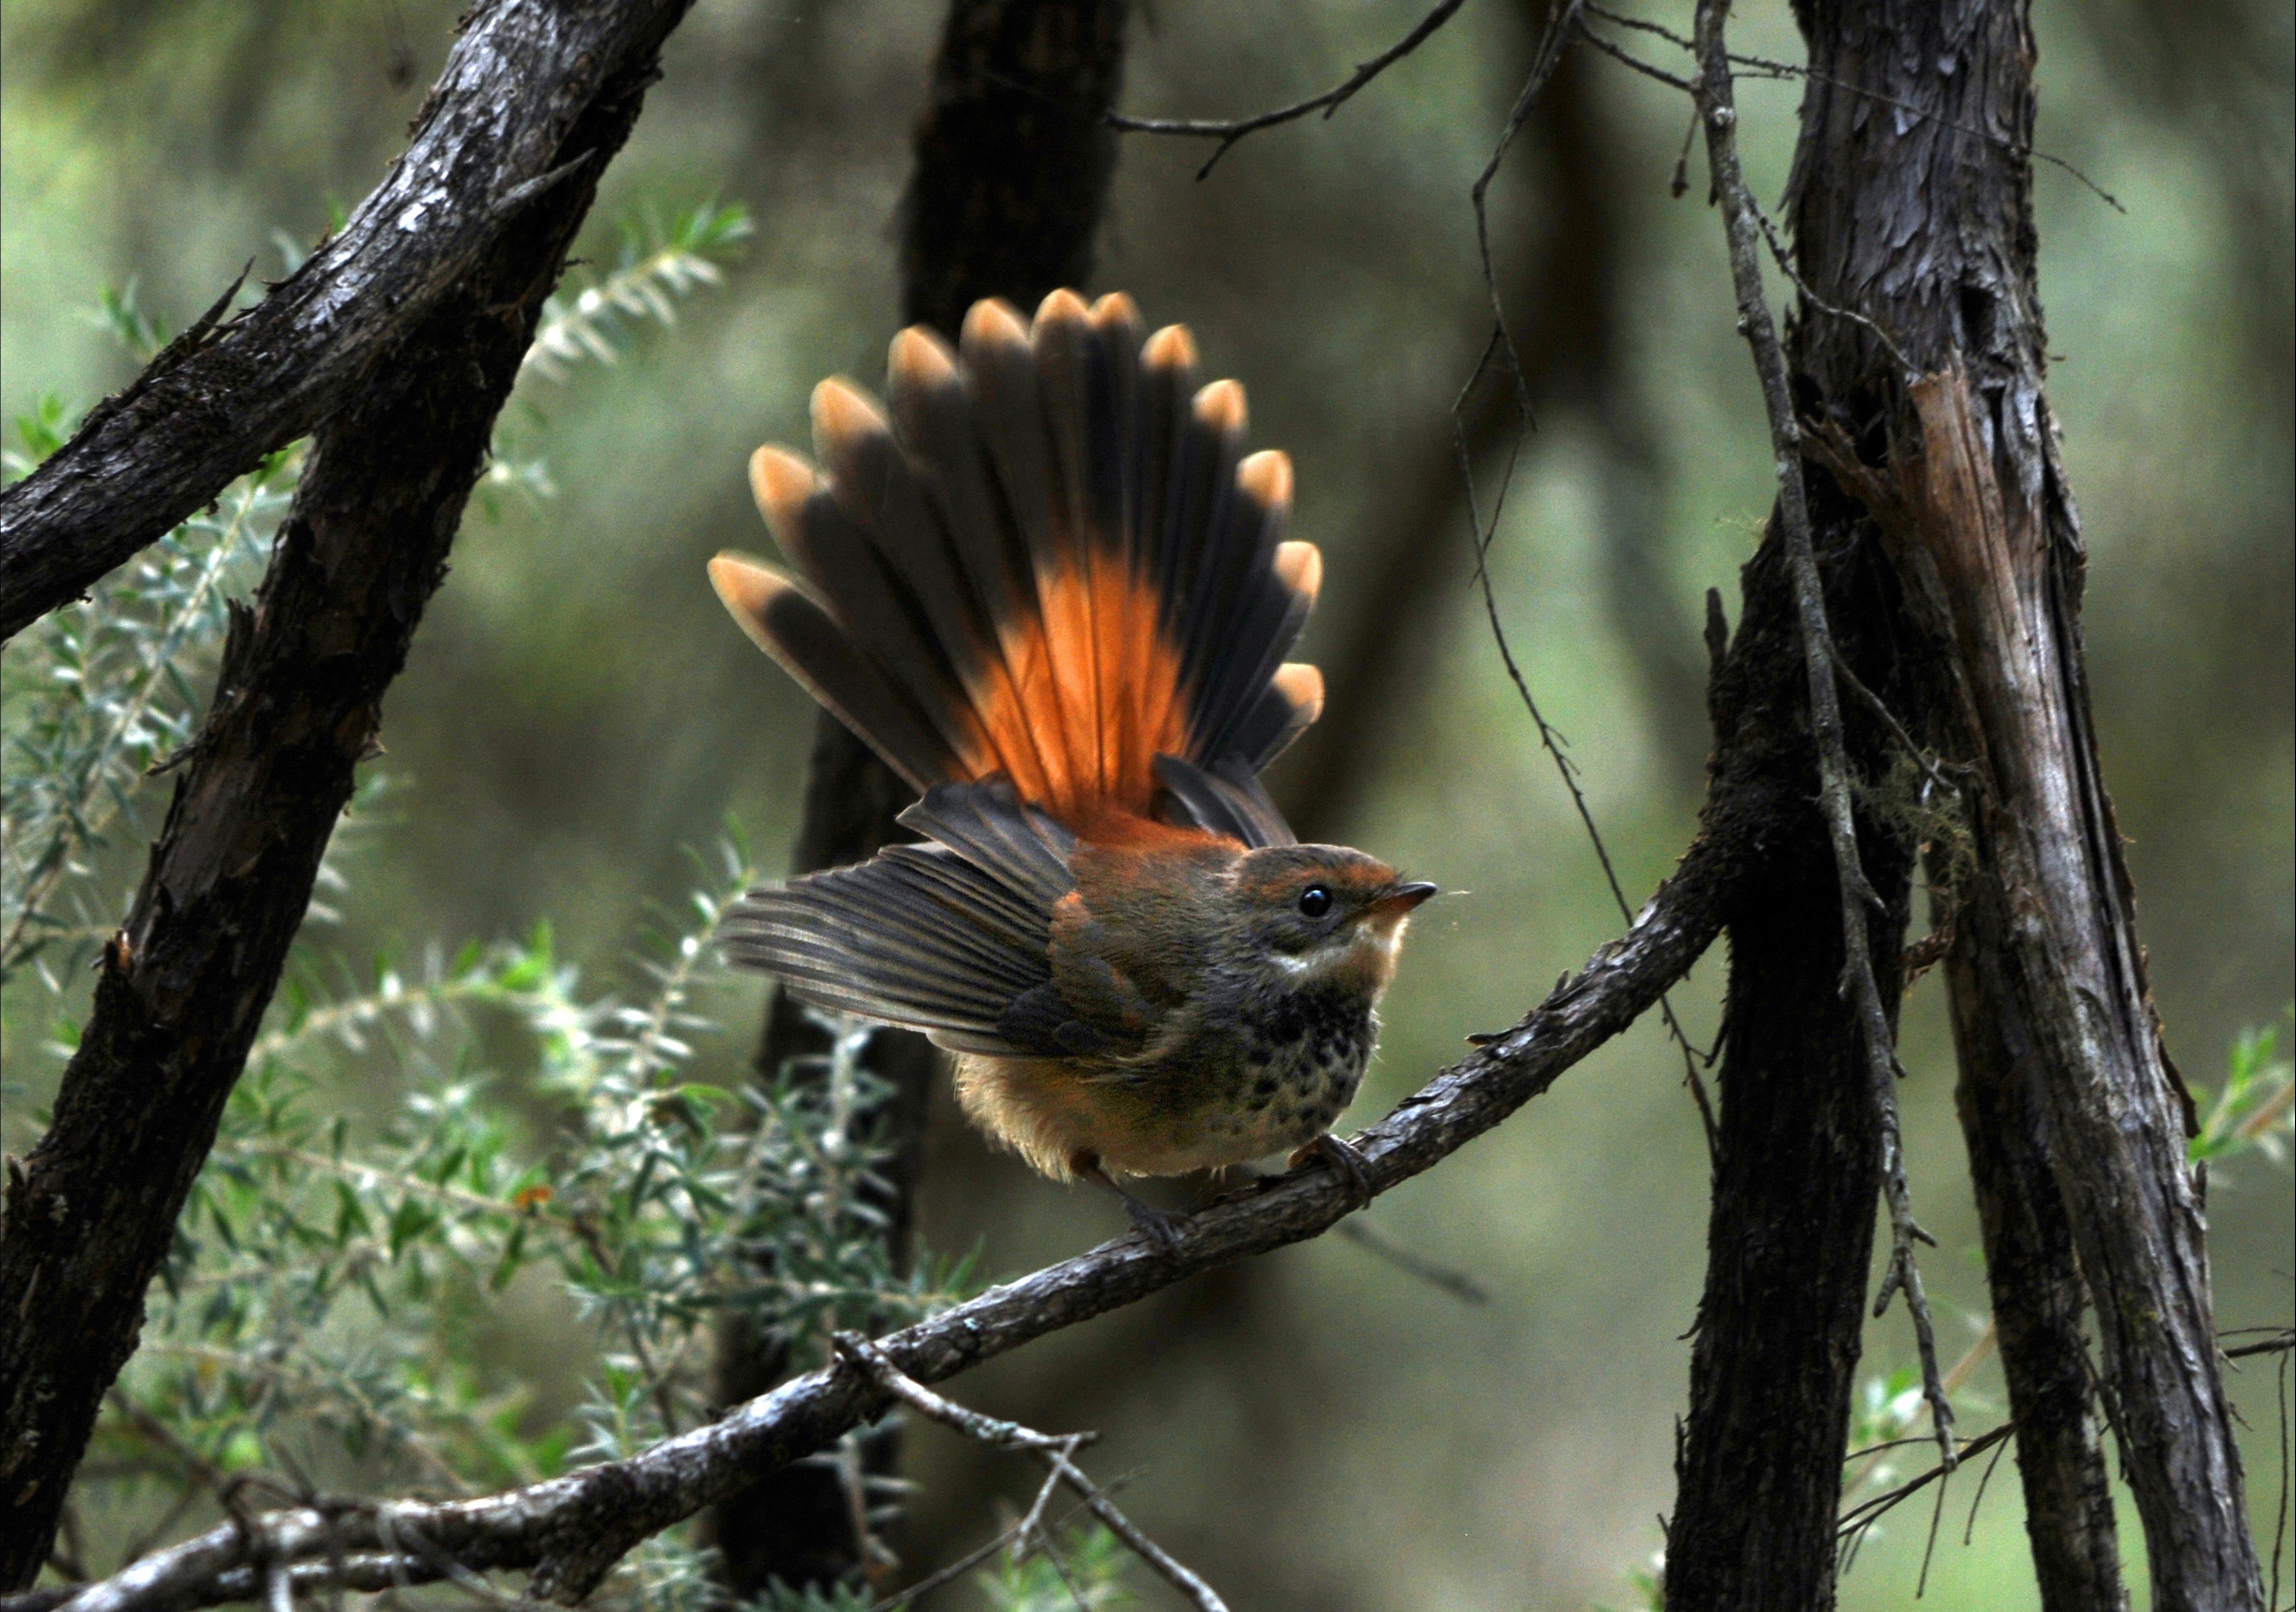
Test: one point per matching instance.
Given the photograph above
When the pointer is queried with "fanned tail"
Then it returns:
(1053, 561)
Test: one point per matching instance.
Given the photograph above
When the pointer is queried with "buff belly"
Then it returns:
(1268, 1094)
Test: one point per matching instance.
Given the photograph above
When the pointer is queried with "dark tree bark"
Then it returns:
(185, 984)
(1960, 467)
(492, 138)
(2037, 1300)
(1013, 162)
(1943, 459)
(1777, 1341)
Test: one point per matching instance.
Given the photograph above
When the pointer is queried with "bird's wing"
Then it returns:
(951, 937)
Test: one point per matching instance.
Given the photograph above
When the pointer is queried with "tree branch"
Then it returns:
(493, 139)
(570, 1531)
(185, 982)
(1228, 131)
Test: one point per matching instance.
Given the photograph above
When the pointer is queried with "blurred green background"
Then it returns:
(1316, 1430)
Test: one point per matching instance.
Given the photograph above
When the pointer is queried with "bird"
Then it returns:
(1050, 588)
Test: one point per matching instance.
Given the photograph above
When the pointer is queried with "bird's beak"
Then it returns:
(1397, 900)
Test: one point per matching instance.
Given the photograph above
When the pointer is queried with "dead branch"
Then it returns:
(1058, 1452)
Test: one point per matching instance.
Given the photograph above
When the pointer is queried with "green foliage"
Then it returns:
(326, 1294)
(1085, 1570)
(99, 693)
(323, 1310)
(658, 263)
(2251, 1110)
(141, 333)
(1646, 1585)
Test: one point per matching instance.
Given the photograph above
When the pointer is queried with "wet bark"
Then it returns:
(185, 983)
(1013, 169)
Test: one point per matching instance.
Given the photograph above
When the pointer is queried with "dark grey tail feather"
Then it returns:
(1231, 803)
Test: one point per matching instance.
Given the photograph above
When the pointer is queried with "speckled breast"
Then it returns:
(1306, 1058)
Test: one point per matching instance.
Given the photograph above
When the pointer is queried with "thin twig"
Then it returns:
(1717, 106)
(1369, 1238)
(2280, 1343)
(1930, 765)
(1628, 58)
(1853, 1523)
(1969, 1529)
(1765, 68)
(1055, 1451)
(1929, 1547)
(1559, 29)
(1784, 261)
(1228, 131)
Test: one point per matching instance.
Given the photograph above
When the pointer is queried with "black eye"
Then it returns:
(1315, 902)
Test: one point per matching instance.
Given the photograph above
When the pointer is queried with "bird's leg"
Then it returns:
(1162, 1226)
(1353, 1173)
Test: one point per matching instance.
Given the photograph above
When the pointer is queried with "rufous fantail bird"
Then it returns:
(1053, 594)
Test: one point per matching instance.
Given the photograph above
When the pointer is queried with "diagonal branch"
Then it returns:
(1718, 108)
(1228, 131)
(1057, 1452)
(185, 983)
(570, 1531)
(491, 141)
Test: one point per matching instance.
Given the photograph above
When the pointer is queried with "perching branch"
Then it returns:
(1718, 108)
(570, 1531)
(1228, 131)
(491, 142)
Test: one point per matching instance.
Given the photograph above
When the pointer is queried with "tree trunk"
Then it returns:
(1758, 1466)
(2037, 1300)
(1923, 221)
(1013, 162)
(298, 700)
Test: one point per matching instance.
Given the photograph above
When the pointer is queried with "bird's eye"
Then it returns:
(1315, 902)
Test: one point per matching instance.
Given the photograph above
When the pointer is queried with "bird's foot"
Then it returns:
(1161, 1226)
(1346, 1162)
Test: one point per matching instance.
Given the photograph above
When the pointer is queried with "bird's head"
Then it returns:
(1324, 914)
